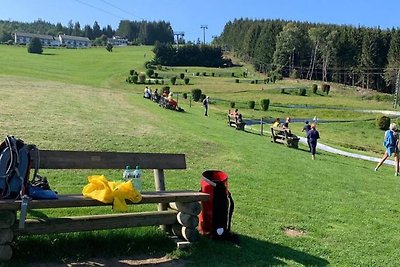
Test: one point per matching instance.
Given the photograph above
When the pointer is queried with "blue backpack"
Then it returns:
(15, 165)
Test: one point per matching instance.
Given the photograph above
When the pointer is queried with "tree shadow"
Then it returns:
(48, 54)
(248, 251)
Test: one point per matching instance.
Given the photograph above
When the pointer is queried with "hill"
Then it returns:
(346, 214)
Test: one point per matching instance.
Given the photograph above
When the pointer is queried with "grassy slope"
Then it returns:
(348, 212)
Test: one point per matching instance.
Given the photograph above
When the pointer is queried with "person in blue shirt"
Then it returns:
(391, 148)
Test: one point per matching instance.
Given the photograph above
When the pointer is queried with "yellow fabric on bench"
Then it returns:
(111, 192)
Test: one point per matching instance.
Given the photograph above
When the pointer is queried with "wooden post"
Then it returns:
(5, 252)
(159, 181)
(190, 101)
(7, 218)
(262, 126)
(7, 235)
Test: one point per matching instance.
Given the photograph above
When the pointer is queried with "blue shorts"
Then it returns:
(390, 150)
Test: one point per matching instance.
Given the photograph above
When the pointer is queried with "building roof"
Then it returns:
(31, 35)
(74, 38)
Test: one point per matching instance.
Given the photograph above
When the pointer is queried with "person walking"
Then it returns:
(307, 128)
(390, 143)
(205, 104)
(313, 136)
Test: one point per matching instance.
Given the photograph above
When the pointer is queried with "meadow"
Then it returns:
(345, 212)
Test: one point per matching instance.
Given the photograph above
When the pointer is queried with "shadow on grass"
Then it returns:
(248, 251)
(48, 54)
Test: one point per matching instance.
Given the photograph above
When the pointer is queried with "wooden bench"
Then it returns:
(232, 121)
(279, 135)
(177, 211)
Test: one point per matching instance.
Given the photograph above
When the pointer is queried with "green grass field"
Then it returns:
(79, 100)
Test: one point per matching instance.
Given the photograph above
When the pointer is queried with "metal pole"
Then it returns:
(262, 126)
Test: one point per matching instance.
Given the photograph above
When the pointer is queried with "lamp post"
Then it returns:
(204, 27)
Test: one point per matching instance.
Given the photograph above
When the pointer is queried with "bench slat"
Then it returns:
(77, 200)
(52, 159)
(96, 222)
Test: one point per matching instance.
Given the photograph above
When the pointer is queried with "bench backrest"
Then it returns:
(54, 159)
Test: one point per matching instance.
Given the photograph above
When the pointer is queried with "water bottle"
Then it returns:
(137, 178)
(128, 173)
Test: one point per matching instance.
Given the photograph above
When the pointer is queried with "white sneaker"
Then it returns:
(376, 169)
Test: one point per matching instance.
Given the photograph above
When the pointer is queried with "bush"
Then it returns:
(182, 76)
(314, 88)
(173, 80)
(204, 74)
(35, 46)
(326, 88)
(236, 80)
(232, 104)
(302, 91)
(383, 122)
(187, 80)
(131, 72)
(282, 90)
(184, 95)
(251, 104)
(156, 75)
(264, 104)
(197, 73)
(233, 74)
(134, 78)
(202, 97)
(213, 74)
(196, 94)
(256, 81)
(142, 78)
(150, 72)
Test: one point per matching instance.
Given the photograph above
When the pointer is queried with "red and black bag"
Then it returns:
(215, 217)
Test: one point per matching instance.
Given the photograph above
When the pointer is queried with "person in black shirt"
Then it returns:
(307, 128)
(313, 136)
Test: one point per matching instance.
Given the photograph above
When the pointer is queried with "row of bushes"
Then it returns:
(264, 104)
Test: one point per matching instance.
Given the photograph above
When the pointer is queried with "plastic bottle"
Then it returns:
(128, 173)
(137, 178)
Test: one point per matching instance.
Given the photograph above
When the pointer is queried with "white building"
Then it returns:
(25, 38)
(74, 41)
(117, 41)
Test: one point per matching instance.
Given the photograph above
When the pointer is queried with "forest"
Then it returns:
(137, 32)
(358, 56)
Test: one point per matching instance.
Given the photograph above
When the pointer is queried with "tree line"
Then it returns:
(189, 55)
(360, 56)
(137, 32)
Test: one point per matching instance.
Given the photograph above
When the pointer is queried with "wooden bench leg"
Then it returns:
(7, 221)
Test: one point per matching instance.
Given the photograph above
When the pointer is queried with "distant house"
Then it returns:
(25, 38)
(117, 41)
(74, 41)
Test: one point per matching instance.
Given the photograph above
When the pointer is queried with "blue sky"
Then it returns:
(188, 15)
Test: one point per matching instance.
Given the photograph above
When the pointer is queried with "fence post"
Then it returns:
(262, 126)
(190, 101)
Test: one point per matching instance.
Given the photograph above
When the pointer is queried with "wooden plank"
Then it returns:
(96, 222)
(77, 200)
(53, 159)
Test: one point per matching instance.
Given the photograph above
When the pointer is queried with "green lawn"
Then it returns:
(78, 99)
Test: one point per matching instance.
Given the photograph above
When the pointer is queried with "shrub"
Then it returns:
(251, 104)
(173, 80)
(157, 81)
(282, 90)
(197, 73)
(314, 88)
(264, 104)
(131, 72)
(35, 46)
(252, 82)
(294, 74)
(233, 74)
(326, 88)
(204, 74)
(196, 94)
(383, 122)
(182, 76)
(156, 75)
(232, 104)
(184, 95)
(187, 80)
(236, 80)
(202, 97)
(256, 81)
(150, 72)
(134, 78)
(142, 78)
(302, 91)
(213, 74)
